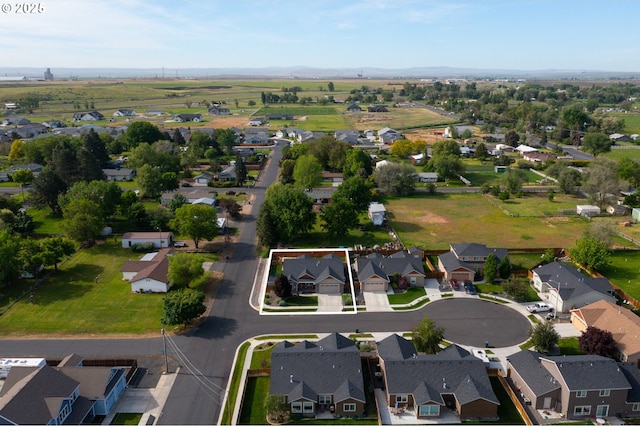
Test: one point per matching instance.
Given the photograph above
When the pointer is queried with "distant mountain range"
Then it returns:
(319, 73)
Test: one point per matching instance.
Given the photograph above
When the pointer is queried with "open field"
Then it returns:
(435, 221)
(86, 295)
(538, 204)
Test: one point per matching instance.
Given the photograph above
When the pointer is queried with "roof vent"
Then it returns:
(291, 378)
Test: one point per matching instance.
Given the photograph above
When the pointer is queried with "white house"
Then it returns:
(377, 213)
(149, 274)
(119, 175)
(203, 178)
(587, 210)
(158, 239)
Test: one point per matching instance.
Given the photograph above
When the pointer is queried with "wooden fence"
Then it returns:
(514, 398)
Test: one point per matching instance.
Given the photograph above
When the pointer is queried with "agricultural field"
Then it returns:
(435, 221)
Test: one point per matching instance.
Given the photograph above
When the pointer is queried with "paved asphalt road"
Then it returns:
(211, 347)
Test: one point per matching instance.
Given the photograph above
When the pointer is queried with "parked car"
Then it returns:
(550, 316)
(539, 307)
(454, 284)
(469, 287)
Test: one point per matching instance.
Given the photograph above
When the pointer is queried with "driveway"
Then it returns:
(376, 301)
(328, 303)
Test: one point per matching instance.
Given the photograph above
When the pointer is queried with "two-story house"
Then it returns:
(463, 260)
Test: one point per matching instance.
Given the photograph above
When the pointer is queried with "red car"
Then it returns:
(454, 284)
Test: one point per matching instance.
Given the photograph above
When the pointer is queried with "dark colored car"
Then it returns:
(469, 287)
(454, 284)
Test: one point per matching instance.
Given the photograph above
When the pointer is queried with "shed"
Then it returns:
(587, 210)
(635, 214)
(616, 210)
(500, 169)
(377, 213)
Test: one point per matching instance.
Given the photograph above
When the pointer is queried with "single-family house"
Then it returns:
(256, 136)
(53, 124)
(158, 239)
(377, 108)
(354, 108)
(4, 177)
(578, 386)
(427, 177)
(15, 121)
(619, 137)
(155, 112)
(382, 163)
(203, 178)
(88, 116)
(388, 135)
(193, 195)
(256, 121)
(525, 149)
(428, 386)
(184, 118)
(315, 378)
(307, 136)
(309, 274)
(567, 288)
(621, 322)
(458, 130)
(65, 394)
(205, 201)
(34, 167)
(119, 175)
(124, 112)
(537, 157)
(347, 136)
(29, 131)
(322, 195)
(228, 174)
(462, 261)
(334, 178)
(218, 110)
(377, 213)
(376, 271)
(149, 274)
(417, 159)
(587, 210)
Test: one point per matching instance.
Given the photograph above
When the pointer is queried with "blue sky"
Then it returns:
(485, 34)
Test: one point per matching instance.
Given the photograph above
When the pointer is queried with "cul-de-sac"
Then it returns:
(319, 251)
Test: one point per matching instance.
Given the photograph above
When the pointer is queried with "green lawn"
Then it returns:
(624, 271)
(261, 356)
(538, 204)
(435, 221)
(45, 222)
(253, 411)
(407, 297)
(368, 237)
(86, 295)
(569, 346)
(126, 419)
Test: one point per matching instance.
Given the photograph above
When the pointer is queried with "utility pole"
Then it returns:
(164, 350)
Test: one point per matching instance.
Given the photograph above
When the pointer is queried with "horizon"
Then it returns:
(518, 36)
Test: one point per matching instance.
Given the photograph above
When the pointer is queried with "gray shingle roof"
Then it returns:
(451, 262)
(632, 373)
(572, 282)
(306, 370)
(589, 372)
(527, 364)
(376, 264)
(425, 376)
(317, 268)
(478, 250)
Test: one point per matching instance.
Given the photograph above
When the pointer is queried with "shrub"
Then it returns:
(142, 247)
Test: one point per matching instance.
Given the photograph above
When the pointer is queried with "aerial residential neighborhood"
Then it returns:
(376, 213)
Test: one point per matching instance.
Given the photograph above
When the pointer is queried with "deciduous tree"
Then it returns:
(142, 131)
(596, 143)
(282, 287)
(149, 181)
(47, 186)
(427, 336)
(197, 221)
(182, 306)
(184, 268)
(396, 179)
(307, 172)
(544, 336)
(490, 268)
(595, 341)
(590, 252)
(357, 163)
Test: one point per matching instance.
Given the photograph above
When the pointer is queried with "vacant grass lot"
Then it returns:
(435, 221)
(86, 295)
(538, 204)
(624, 271)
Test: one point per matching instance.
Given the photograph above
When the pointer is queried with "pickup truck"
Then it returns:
(539, 307)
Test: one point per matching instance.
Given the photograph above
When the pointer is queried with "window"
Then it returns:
(635, 407)
(581, 394)
(582, 410)
(429, 410)
(324, 399)
(296, 407)
(349, 408)
(412, 280)
(307, 407)
(402, 398)
(66, 410)
(602, 411)
(604, 392)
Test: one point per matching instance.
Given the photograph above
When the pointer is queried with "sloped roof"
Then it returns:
(306, 370)
(317, 268)
(451, 371)
(538, 378)
(156, 268)
(450, 262)
(477, 250)
(623, 324)
(384, 267)
(588, 372)
(95, 382)
(36, 396)
(632, 373)
(571, 281)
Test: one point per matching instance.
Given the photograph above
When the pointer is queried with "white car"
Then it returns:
(539, 307)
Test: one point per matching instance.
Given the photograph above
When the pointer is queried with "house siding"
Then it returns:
(149, 284)
(479, 408)
(339, 407)
(537, 401)
(616, 402)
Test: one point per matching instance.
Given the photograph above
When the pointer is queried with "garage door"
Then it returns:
(460, 276)
(330, 288)
(374, 287)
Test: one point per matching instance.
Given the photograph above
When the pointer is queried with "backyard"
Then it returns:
(435, 221)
